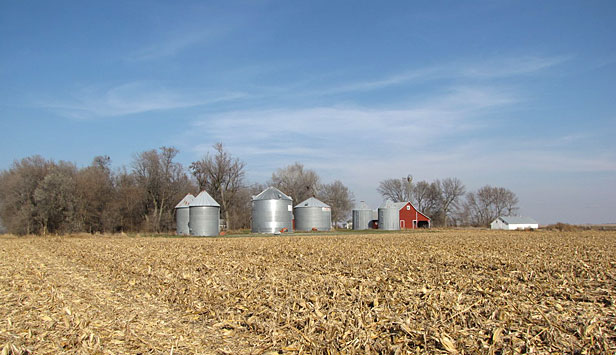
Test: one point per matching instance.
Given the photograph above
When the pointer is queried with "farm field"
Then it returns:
(450, 291)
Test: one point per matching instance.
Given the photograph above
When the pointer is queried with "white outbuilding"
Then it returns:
(514, 222)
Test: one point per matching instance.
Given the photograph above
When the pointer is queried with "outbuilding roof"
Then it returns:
(271, 193)
(185, 201)
(517, 220)
(204, 199)
(312, 202)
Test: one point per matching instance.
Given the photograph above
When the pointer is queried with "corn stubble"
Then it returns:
(449, 292)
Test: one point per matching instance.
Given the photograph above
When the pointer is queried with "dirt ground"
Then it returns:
(452, 291)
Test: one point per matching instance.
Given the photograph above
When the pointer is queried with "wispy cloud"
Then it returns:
(340, 132)
(513, 66)
(395, 79)
(132, 98)
(174, 42)
(170, 46)
(484, 69)
(450, 133)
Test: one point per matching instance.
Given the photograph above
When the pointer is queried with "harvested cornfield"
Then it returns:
(405, 292)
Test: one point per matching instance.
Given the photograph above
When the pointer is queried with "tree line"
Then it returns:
(448, 203)
(41, 196)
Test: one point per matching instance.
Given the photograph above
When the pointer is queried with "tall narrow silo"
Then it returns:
(389, 216)
(362, 215)
(182, 215)
(204, 216)
(272, 212)
(313, 213)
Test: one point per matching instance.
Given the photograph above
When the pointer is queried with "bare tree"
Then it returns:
(17, 185)
(452, 190)
(488, 203)
(222, 176)
(505, 202)
(127, 207)
(163, 182)
(297, 182)
(427, 197)
(339, 198)
(95, 191)
(56, 201)
(396, 189)
(40, 196)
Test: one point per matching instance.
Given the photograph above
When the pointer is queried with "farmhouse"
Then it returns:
(410, 217)
(514, 222)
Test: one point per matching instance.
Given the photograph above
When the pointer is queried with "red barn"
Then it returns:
(410, 217)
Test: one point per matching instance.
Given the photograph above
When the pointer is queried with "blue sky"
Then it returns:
(519, 94)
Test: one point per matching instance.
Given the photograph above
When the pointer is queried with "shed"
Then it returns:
(313, 214)
(514, 222)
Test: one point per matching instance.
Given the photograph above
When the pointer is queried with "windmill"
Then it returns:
(409, 179)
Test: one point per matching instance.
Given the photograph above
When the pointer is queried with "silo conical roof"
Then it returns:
(312, 202)
(204, 199)
(388, 204)
(185, 201)
(271, 193)
(362, 206)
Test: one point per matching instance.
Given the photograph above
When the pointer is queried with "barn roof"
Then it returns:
(517, 220)
(271, 193)
(400, 205)
(204, 199)
(185, 201)
(312, 202)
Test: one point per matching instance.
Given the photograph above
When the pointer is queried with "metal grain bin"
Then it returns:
(182, 215)
(272, 212)
(362, 215)
(312, 213)
(204, 216)
(389, 216)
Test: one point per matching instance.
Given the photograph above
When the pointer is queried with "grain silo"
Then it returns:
(312, 214)
(204, 216)
(182, 215)
(272, 212)
(362, 215)
(389, 216)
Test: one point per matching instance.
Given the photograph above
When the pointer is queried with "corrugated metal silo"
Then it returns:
(182, 215)
(272, 212)
(313, 213)
(362, 215)
(204, 216)
(389, 216)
